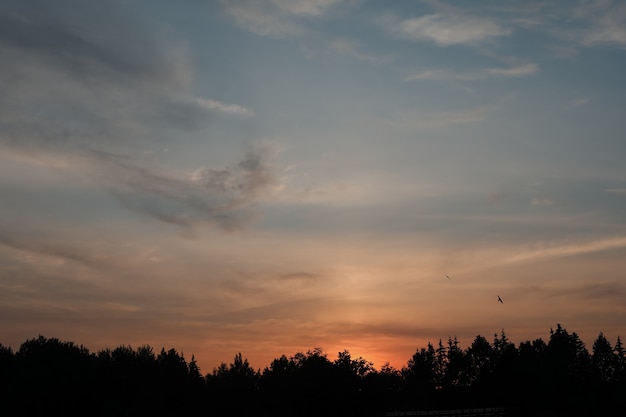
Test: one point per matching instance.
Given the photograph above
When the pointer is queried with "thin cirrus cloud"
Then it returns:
(222, 107)
(541, 202)
(608, 24)
(447, 75)
(450, 29)
(591, 24)
(38, 242)
(352, 49)
(257, 19)
(578, 102)
(567, 249)
(276, 18)
(305, 7)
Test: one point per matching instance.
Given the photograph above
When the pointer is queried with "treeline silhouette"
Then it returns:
(49, 377)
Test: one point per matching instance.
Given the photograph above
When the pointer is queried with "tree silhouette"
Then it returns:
(53, 377)
(382, 389)
(49, 377)
(618, 399)
(505, 378)
(7, 377)
(233, 387)
(479, 362)
(566, 371)
(277, 385)
(604, 360)
(195, 376)
(453, 377)
(620, 359)
(419, 378)
(313, 383)
(531, 386)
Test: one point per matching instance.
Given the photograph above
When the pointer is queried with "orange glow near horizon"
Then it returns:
(269, 177)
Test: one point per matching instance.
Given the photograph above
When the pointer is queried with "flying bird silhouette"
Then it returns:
(447, 276)
(500, 300)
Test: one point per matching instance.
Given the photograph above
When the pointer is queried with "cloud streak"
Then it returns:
(608, 24)
(223, 197)
(447, 75)
(78, 83)
(276, 18)
(568, 250)
(225, 108)
(349, 48)
(448, 29)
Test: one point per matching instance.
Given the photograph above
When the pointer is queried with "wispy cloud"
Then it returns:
(40, 242)
(541, 202)
(447, 75)
(448, 29)
(352, 49)
(305, 7)
(618, 191)
(444, 75)
(599, 23)
(518, 71)
(578, 102)
(224, 108)
(550, 251)
(223, 197)
(608, 23)
(591, 24)
(342, 48)
(276, 18)
(262, 20)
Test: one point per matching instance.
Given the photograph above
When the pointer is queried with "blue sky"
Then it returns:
(270, 176)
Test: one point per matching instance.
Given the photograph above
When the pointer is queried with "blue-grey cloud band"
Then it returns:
(79, 89)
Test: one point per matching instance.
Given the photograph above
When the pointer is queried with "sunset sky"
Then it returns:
(272, 176)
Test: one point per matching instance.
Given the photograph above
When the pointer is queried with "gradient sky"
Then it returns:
(271, 176)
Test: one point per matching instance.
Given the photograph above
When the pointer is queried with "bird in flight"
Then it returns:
(447, 276)
(500, 300)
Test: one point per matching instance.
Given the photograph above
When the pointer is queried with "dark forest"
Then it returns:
(560, 377)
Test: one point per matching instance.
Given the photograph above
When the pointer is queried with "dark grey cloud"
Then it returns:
(244, 180)
(95, 83)
(93, 75)
(94, 41)
(223, 197)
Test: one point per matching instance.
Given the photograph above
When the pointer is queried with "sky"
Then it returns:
(267, 177)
